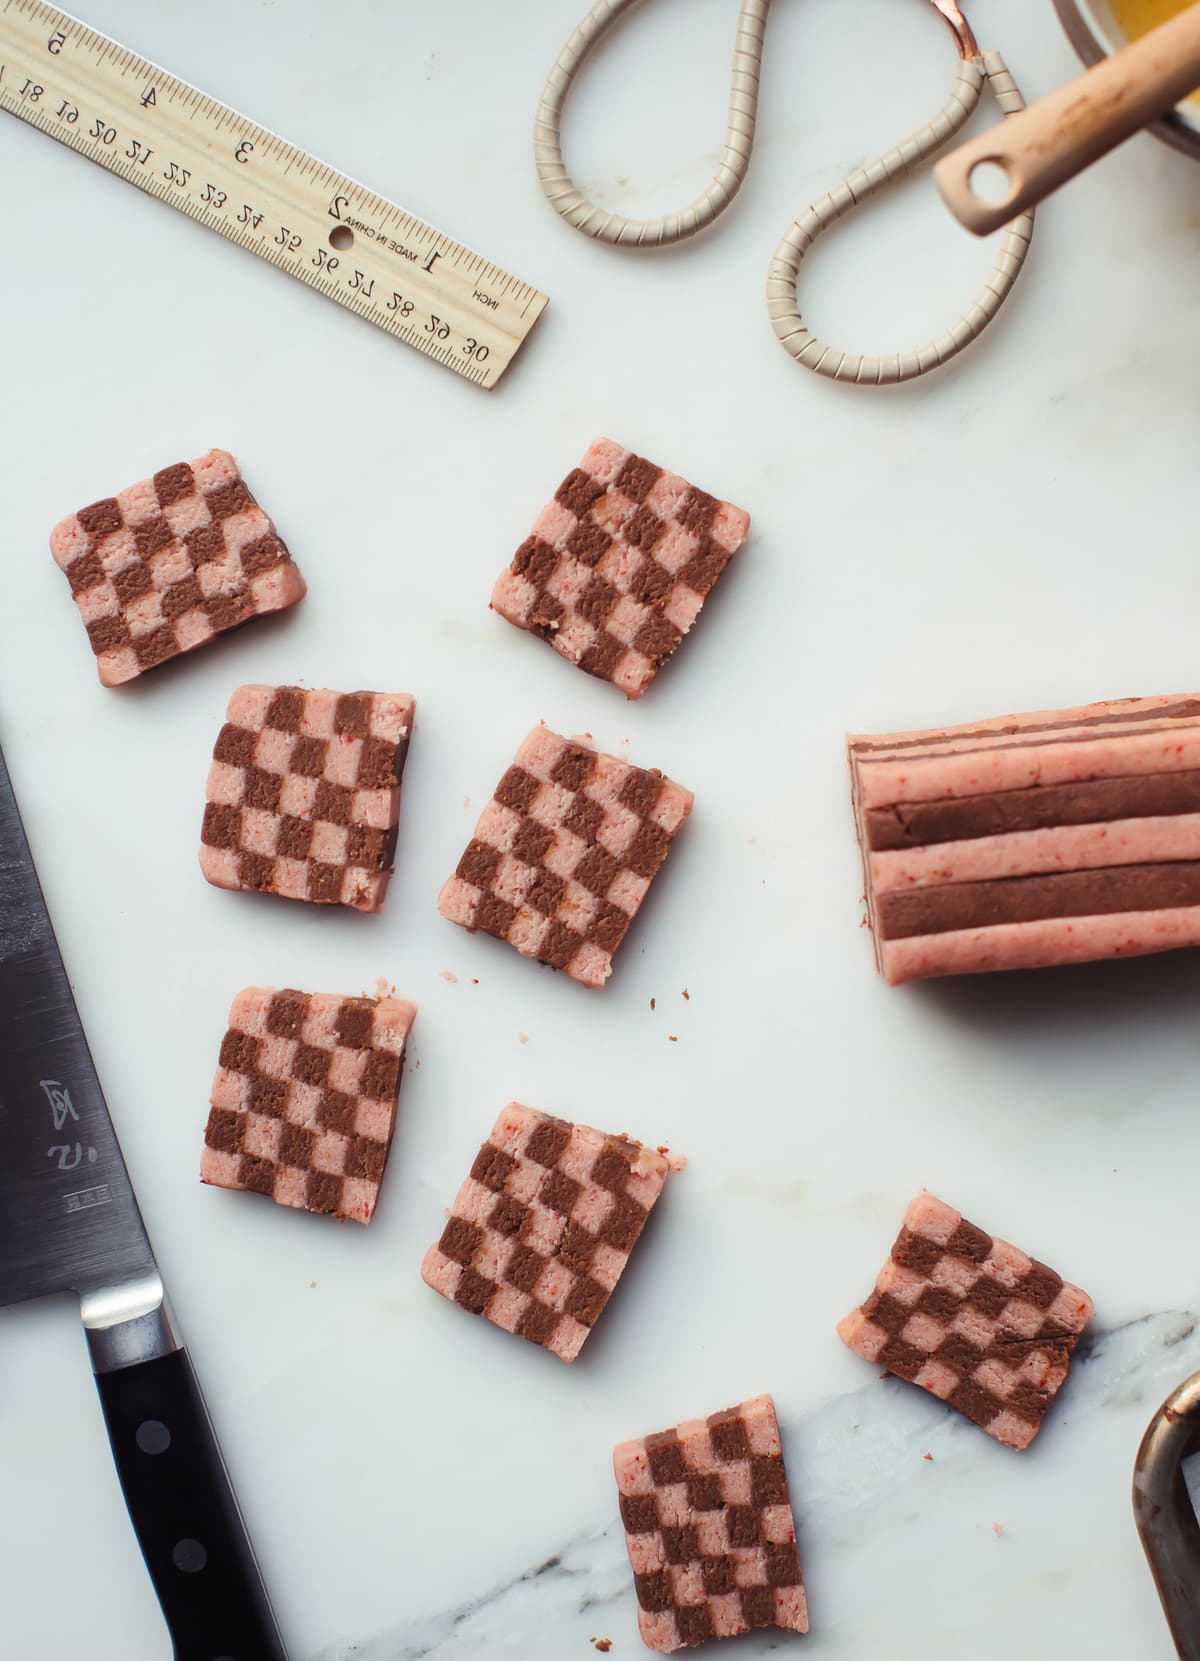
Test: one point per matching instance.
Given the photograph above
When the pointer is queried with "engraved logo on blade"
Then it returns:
(61, 1105)
(84, 1198)
(63, 1108)
(69, 1157)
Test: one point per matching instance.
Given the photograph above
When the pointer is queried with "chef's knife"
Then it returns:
(69, 1222)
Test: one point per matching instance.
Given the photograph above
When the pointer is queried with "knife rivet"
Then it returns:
(152, 1436)
(189, 1556)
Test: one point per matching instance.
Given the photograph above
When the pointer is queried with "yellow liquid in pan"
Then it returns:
(1138, 17)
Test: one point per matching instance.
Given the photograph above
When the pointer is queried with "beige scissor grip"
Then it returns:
(1065, 132)
(569, 201)
(973, 74)
(1165, 1518)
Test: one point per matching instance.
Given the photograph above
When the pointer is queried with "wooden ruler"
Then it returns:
(255, 189)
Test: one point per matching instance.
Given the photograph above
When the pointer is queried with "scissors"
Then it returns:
(1165, 1516)
(976, 70)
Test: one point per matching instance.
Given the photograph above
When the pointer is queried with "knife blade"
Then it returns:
(69, 1222)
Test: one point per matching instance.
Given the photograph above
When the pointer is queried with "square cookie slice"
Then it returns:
(982, 1326)
(709, 1528)
(619, 565)
(304, 1101)
(170, 563)
(303, 794)
(543, 1227)
(563, 854)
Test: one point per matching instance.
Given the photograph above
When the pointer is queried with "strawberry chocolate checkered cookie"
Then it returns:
(564, 853)
(544, 1225)
(304, 1101)
(619, 565)
(973, 1320)
(304, 794)
(709, 1528)
(172, 562)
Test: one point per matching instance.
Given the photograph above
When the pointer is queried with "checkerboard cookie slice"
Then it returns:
(170, 563)
(619, 565)
(709, 1528)
(982, 1326)
(564, 853)
(1056, 837)
(304, 794)
(304, 1101)
(543, 1227)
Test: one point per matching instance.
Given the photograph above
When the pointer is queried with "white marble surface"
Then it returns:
(1013, 533)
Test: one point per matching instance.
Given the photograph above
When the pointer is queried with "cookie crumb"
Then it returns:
(928, 1456)
(522, 1038)
(653, 1002)
(449, 975)
(602, 1644)
(311, 1285)
(687, 996)
(672, 1038)
(999, 1530)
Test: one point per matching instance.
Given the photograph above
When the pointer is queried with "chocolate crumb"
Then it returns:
(928, 1456)
(653, 1001)
(687, 995)
(672, 1038)
(602, 1644)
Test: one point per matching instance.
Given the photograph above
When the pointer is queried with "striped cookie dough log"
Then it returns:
(1061, 836)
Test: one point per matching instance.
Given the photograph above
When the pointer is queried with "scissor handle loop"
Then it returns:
(570, 202)
(987, 69)
(1164, 1515)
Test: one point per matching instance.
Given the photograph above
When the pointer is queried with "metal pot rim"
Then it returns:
(1093, 34)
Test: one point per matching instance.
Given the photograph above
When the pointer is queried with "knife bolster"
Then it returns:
(127, 1325)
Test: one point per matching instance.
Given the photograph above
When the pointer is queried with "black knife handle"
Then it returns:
(185, 1515)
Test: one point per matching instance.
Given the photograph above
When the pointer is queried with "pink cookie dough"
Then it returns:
(709, 1528)
(1056, 837)
(543, 1227)
(971, 1319)
(564, 853)
(171, 562)
(619, 565)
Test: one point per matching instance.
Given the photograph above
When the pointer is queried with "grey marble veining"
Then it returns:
(851, 1465)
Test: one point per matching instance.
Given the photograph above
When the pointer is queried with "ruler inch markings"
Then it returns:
(252, 187)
